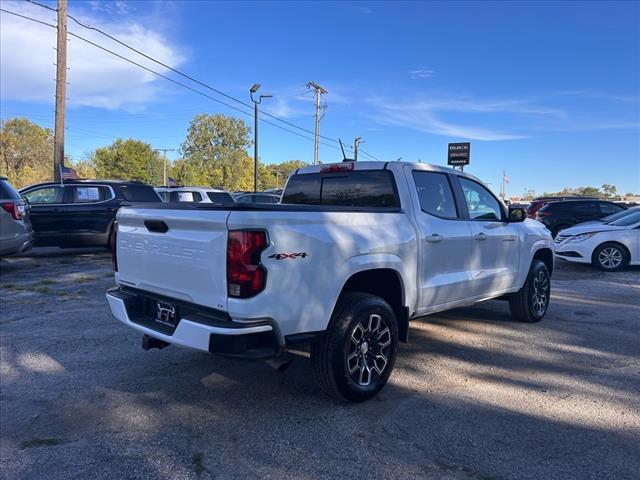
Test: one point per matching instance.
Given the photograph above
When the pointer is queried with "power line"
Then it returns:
(182, 74)
(189, 77)
(164, 76)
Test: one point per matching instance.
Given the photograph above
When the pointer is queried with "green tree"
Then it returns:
(276, 174)
(128, 160)
(609, 190)
(26, 152)
(83, 168)
(589, 192)
(214, 153)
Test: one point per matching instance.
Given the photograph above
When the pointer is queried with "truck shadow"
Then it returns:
(468, 399)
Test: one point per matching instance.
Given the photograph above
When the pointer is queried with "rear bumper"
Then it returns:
(19, 244)
(198, 330)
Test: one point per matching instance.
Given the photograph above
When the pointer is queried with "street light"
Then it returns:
(252, 90)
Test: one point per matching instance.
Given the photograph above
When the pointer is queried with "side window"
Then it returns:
(587, 208)
(189, 197)
(45, 195)
(609, 208)
(481, 203)
(434, 192)
(90, 194)
(220, 197)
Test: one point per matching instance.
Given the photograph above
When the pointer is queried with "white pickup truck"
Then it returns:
(337, 269)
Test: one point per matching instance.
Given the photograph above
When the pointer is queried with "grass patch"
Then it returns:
(85, 278)
(40, 442)
(14, 286)
(196, 461)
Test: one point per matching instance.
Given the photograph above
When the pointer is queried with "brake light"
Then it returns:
(246, 277)
(113, 242)
(337, 167)
(16, 210)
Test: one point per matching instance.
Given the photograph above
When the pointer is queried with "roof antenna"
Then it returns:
(344, 156)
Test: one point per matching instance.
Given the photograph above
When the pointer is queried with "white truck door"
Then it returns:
(496, 243)
(445, 253)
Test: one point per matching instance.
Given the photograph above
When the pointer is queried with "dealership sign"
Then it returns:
(459, 154)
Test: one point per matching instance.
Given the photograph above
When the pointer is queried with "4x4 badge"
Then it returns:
(282, 256)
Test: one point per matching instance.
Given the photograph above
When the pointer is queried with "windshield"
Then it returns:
(617, 215)
(627, 220)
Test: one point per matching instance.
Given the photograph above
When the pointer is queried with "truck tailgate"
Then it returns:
(180, 254)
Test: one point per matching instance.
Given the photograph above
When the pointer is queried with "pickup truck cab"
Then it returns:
(352, 253)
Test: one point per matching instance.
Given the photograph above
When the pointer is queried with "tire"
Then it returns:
(355, 357)
(610, 257)
(531, 303)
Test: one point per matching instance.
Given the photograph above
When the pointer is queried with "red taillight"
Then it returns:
(245, 276)
(112, 243)
(14, 209)
(337, 167)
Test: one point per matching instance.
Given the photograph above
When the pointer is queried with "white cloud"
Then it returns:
(96, 78)
(110, 6)
(425, 116)
(505, 119)
(421, 73)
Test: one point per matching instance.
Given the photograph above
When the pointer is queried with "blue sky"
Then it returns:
(549, 92)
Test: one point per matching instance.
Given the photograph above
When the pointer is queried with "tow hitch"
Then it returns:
(149, 342)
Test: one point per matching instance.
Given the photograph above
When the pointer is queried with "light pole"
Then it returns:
(252, 90)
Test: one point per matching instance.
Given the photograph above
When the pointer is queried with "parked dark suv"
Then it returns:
(560, 215)
(537, 203)
(80, 213)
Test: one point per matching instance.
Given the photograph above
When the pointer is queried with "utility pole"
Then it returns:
(61, 89)
(504, 180)
(252, 90)
(319, 91)
(164, 170)
(357, 141)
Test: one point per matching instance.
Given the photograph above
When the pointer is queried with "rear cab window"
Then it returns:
(359, 188)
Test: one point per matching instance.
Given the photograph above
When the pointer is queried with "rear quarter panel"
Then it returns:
(302, 290)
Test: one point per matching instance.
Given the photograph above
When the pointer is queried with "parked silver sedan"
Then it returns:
(16, 233)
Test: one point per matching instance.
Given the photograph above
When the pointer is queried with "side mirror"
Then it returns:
(517, 215)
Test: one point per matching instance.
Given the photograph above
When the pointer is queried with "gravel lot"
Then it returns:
(473, 396)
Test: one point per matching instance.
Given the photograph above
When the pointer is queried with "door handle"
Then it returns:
(509, 239)
(435, 238)
(480, 236)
